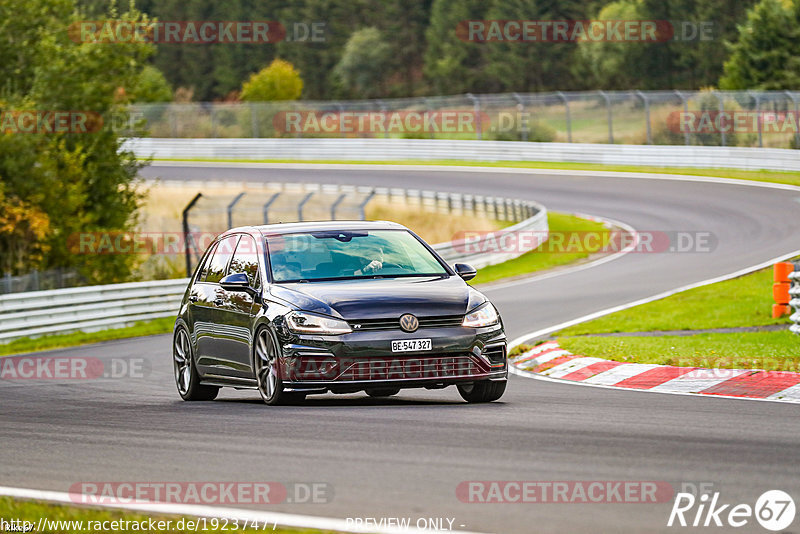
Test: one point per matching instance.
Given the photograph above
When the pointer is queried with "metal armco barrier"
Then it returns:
(794, 298)
(747, 158)
(87, 308)
(95, 308)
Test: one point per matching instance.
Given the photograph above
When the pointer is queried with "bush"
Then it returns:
(278, 81)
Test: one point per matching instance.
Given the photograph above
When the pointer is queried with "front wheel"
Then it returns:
(186, 377)
(267, 363)
(482, 391)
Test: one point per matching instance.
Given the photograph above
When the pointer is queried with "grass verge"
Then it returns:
(771, 351)
(546, 257)
(59, 341)
(93, 520)
(792, 178)
(743, 301)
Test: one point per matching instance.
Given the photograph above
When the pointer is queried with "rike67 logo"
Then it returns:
(774, 510)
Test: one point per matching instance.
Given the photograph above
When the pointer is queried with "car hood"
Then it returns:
(382, 298)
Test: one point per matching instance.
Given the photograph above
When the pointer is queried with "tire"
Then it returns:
(186, 378)
(265, 364)
(382, 392)
(482, 391)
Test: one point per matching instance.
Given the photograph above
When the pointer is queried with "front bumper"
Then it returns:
(363, 360)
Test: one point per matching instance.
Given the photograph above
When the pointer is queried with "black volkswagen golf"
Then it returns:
(305, 308)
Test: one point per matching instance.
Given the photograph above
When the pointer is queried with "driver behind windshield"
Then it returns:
(372, 259)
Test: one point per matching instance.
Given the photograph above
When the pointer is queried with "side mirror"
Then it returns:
(467, 272)
(235, 282)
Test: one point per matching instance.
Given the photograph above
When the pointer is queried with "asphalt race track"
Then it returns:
(405, 456)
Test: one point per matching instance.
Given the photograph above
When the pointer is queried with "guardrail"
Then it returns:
(95, 308)
(794, 302)
(746, 158)
(87, 309)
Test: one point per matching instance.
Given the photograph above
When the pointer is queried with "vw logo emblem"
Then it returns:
(409, 323)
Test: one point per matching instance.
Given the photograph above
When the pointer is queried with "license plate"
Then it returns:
(411, 345)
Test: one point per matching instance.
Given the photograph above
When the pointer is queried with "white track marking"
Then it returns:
(791, 394)
(609, 377)
(562, 370)
(535, 376)
(697, 381)
(544, 358)
(270, 518)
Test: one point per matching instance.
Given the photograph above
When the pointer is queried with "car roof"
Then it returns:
(316, 226)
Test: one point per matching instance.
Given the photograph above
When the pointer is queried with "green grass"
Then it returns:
(145, 328)
(743, 301)
(772, 351)
(792, 178)
(32, 511)
(544, 257)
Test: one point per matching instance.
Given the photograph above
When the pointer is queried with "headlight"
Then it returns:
(306, 323)
(484, 316)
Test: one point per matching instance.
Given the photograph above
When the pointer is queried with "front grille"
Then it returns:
(386, 368)
(442, 321)
(412, 368)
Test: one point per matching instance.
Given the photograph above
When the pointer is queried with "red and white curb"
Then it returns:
(552, 361)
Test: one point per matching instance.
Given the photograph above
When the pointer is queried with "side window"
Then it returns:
(219, 261)
(245, 260)
(201, 275)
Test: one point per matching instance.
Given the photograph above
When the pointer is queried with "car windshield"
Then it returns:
(343, 255)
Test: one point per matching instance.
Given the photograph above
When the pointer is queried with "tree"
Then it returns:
(611, 65)
(453, 65)
(150, 87)
(316, 59)
(362, 68)
(278, 81)
(533, 66)
(23, 232)
(82, 181)
(708, 57)
(405, 22)
(767, 54)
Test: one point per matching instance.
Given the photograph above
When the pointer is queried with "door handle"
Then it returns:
(193, 298)
(219, 302)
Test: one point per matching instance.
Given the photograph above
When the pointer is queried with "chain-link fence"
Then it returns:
(714, 118)
(40, 280)
(208, 215)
